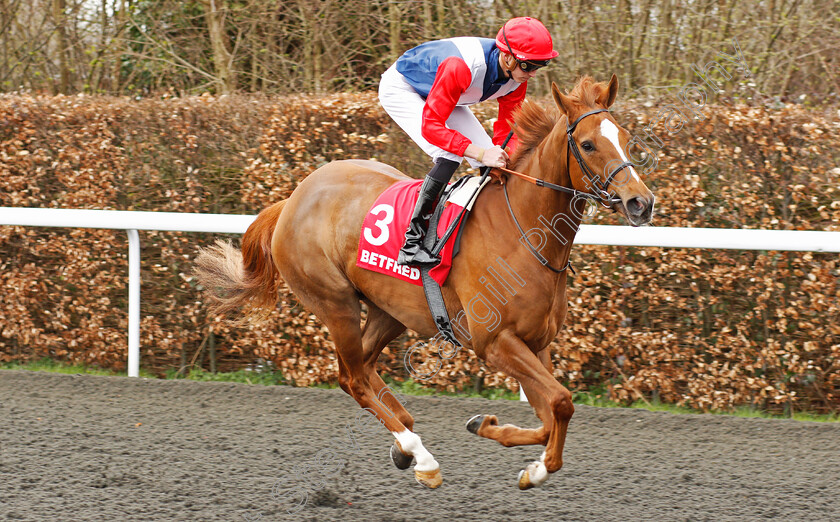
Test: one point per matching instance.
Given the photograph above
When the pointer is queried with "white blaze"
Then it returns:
(610, 131)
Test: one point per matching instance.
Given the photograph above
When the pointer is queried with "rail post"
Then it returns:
(133, 303)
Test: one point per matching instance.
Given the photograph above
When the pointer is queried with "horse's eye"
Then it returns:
(587, 146)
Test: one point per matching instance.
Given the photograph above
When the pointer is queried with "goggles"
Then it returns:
(531, 65)
(525, 65)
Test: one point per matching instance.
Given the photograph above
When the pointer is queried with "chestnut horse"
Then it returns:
(310, 241)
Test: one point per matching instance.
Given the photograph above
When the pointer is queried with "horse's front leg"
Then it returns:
(511, 435)
(551, 400)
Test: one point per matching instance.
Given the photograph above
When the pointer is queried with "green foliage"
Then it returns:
(412, 387)
(54, 366)
(595, 398)
(266, 378)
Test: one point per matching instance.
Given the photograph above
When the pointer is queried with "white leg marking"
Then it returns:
(537, 474)
(410, 443)
(610, 131)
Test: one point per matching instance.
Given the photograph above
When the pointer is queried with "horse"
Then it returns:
(310, 241)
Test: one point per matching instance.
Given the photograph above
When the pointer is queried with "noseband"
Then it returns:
(602, 196)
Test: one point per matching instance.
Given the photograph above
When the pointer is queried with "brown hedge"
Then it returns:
(704, 328)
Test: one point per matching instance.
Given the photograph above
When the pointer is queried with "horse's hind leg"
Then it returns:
(381, 328)
(355, 378)
(323, 288)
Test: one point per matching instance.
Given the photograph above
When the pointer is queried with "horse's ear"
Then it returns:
(607, 96)
(560, 99)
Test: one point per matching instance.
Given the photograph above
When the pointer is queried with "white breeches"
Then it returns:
(405, 106)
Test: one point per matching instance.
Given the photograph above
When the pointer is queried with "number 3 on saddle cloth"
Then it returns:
(383, 230)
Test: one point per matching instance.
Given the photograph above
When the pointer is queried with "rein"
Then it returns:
(541, 258)
(602, 197)
(559, 188)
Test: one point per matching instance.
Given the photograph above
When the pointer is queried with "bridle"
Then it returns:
(602, 196)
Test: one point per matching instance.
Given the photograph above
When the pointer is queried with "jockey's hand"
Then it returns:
(495, 157)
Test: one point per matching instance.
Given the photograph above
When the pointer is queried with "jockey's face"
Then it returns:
(513, 68)
(521, 76)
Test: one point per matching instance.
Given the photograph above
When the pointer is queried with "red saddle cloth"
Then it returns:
(383, 234)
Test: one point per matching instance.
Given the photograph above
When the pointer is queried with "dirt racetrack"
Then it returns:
(109, 448)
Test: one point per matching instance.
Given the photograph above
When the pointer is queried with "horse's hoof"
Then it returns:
(533, 475)
(475, 423)
(430, 479)
(524, 480)
(400, 459)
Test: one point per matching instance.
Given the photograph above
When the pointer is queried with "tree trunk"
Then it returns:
(255, 57)
(5, 25)
(394, 35)
(428, 28)
(212, 350)
(97, 69)
(216, 11)
(640, 47)
(441, 19)
(307, 18)
(628, 43)
(663, 65)
(120, 16)
(61, 43)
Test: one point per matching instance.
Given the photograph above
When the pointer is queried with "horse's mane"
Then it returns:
(533, 123)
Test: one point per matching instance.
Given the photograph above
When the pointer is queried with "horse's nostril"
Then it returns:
(635, 206)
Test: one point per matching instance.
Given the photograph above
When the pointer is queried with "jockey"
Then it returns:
(427, 92)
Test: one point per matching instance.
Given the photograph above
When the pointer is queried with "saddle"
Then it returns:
(383, 233)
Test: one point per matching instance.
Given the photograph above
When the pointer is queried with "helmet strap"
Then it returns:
(506, 59)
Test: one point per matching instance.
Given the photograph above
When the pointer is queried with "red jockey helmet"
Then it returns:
(526, 38)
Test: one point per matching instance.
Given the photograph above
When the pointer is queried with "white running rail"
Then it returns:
(132, 221)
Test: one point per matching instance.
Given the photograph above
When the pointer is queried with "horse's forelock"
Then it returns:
(587, 91)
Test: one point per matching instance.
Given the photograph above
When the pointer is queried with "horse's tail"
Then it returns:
(246, 278)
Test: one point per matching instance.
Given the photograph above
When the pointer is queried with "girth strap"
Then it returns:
(434, 295)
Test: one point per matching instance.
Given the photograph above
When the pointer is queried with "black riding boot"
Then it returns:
(413, 252)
